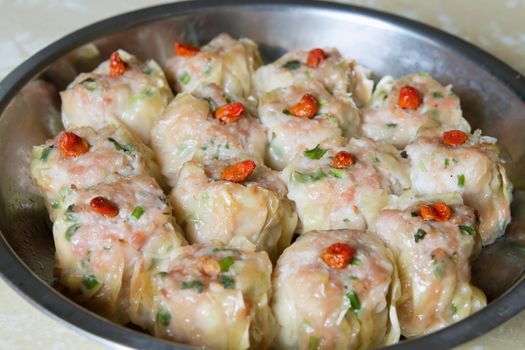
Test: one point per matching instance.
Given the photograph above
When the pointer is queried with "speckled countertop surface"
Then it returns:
(27, 26)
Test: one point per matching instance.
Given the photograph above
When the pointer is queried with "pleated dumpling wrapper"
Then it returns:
(224, 61)
(107, 237)
(84, 158)
(189, 130)
(415, 104)
(304, 115)
(335, 290)
(469, 164)
(340, 184)
(236, 203)
(433, 244)
(210, 297)
(339, 76)
(121, 90)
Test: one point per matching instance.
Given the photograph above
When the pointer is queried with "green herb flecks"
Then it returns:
(355, 261)
(313, 343)
(194, 284)
(119, 147)
(45, 153)
(137, 212)
(391, 125)
(308, 177)
(292, 65)
(226, 263)
(414, 214)
(453, 309)
(376, 160)
(185, 78)
(355, 304)
(69, 213)
(90, 282)
(420, 234)
(471, 231)
(439, 269)
(337, 173)
(227, 281)
(437, 94)
(163, 318)
(461, 180)
(88, 84)
(71, 231)
(315, 153)
(447, 162)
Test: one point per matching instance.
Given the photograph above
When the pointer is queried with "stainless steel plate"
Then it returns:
(492, 94)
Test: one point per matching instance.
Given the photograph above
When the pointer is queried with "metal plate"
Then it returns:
(492, 94)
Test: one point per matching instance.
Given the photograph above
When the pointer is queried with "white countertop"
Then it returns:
(27, 26)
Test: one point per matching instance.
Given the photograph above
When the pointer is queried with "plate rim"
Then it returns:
(27, 284)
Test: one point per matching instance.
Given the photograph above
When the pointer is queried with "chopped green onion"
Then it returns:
(315, 153)
(471, 231)
(414, 214)
(227, 281)
(355, 304)
(391, 125)
(376, 160)
(285, 111)
(447, 162)
(309, 177)
(225, 263)
(137, 212)
(69, 212)
(88, 86)
(90, 282)
(45, 153)
(453, 308)
(338, 173)
(346, 220)
(355, 261)
(461, 180)
(185, 78)
(126, 149)
(292, 65)
(313, 343)
(439, 270)
(437, 94)
(163, 318)
(420, 234)
(71, 231)
(197, 285)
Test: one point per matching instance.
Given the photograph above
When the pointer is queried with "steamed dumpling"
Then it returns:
(474, 169)
(253, 214)
(287, 133)
(212, 298)
(352, 196)
(433, 260)
(224, 61)
(385, 120)
(338, 75)
(188, 131)
(105, 246)
(109, 152)
(319, 306)
(136, 98)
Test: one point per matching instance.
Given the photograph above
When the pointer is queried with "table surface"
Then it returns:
(27, 26)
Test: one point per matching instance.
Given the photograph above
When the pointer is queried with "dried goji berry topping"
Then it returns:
(238, 172)
(104, 206)
(229, 113)
(315, 57)
(435, 212)
(454, 138)
(72, 145)
(117, 66)
(409, 98)
(342, 160)
(306, 108)
(338, 255)
(186, 50)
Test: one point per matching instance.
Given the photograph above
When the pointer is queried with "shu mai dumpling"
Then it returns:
(121, 90)
(335, 290)
(210, 297)
(433, 245)
(107, 237)
(252, 214)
